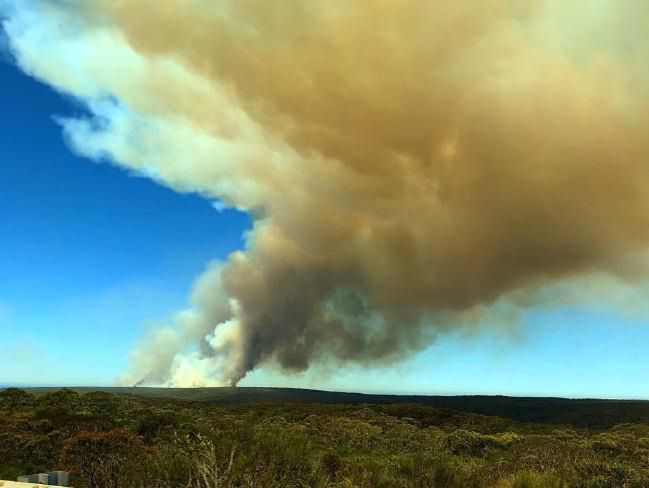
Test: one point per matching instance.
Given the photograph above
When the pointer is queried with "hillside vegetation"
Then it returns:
(113, 439)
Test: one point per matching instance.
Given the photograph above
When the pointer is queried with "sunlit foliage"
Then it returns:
(122, 441)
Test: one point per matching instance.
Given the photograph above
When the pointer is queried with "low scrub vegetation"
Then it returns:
(121, 441)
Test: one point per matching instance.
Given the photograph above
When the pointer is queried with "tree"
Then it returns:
(13, 397)
(64, 398)
(101, 458)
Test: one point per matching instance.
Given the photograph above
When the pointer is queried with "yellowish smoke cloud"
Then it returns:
(408, 164)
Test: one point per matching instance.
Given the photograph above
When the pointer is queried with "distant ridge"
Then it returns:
(578, 412)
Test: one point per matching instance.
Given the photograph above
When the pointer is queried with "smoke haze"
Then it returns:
(409, 165)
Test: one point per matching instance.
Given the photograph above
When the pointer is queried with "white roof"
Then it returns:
(15, 484)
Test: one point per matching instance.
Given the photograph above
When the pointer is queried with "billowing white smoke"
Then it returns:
(407, 164)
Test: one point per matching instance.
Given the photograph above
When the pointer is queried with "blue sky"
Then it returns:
(92, 256)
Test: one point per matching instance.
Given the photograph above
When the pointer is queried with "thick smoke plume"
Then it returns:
(407, 163)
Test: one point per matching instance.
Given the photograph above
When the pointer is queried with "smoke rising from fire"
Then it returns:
(407, 164)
